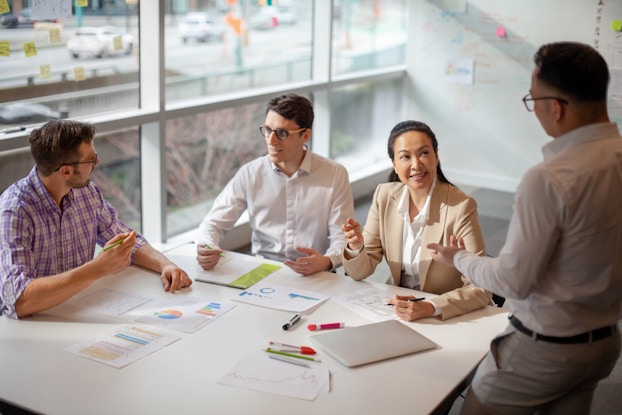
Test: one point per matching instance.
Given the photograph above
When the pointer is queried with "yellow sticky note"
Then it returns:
(82, 3)
(117, 43)
(45, 71)
(5, 48)
(78, 73)
(4, 6)
(55, 35)
(30, 49)
(616, 25)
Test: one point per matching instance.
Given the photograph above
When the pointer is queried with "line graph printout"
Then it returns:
(370, 303)
(259, 372)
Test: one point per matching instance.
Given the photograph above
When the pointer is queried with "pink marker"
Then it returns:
(313, 327)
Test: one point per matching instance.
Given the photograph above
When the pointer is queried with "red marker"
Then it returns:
(314, 327)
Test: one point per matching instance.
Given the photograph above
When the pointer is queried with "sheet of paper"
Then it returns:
(122, 346)
(233, 269)
(109, 302)
(271, 295)
(370, 303)
(187, 314)
(259, 372)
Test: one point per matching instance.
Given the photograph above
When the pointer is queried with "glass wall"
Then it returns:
(368, 34)
(362, 117)
(225, 46)
(203, 152)
(176, 118)
(57, 63)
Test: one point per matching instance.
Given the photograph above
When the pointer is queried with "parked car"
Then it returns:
(265, 19)
(22, 19)
(200, 27)
(100, 42)
(26, 113)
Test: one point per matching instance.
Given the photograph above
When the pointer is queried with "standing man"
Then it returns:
(561, 266)
(296, 200)
(51, 220)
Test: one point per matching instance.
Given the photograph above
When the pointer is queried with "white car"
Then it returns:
(200, 27)
(100, 42)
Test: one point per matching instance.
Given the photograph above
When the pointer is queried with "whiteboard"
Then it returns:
(486, 137)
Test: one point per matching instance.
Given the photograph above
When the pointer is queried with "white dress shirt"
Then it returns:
(304, 210)
(561, 266)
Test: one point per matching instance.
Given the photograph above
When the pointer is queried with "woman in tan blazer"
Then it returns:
(419, 195)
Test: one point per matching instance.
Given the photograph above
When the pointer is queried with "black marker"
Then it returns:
(413, 300)
(291, 322)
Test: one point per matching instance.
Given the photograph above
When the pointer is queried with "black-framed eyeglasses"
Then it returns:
(281, 133)
(93, 161)
(528, 100)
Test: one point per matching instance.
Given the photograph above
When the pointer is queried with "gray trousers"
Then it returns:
(520, 375)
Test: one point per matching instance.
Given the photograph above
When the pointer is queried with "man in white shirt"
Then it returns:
(296, 200)
(561, 266)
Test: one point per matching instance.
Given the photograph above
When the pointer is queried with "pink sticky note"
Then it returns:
(500, 32)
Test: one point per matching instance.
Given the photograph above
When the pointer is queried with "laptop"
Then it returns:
(369, 343)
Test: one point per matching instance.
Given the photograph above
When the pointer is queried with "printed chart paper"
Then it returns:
(122, 346)
(185, 314)
(280, 297)
(260, 372)
(370, 303)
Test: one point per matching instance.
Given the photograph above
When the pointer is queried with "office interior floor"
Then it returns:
(495, 209)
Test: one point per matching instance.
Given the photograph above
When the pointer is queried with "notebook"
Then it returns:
(360, 345)
(233, 270)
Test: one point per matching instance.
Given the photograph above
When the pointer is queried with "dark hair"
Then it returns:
(293, 107)
(411, 125)
(57, 142)
(575, 69)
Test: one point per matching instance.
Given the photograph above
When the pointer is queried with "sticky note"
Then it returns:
(30, 49)
(117, 43)
(45, 71)
(500, 32)
(82, 3)
(616, 25)
(78, 73)
(55, 35)
(4, 6)
(5, 48)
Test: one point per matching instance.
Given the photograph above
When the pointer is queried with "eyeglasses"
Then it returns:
(94, 161)
(530, 105)
(281, 133)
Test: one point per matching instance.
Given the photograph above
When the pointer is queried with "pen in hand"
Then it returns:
(119, 242)
(209, 247)
(413, 300)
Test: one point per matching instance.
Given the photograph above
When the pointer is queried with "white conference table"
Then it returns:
(36, 373)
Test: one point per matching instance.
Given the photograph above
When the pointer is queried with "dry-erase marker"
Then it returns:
(291, 322)
(297, 356)
(119, 242)
(209, 247)
(327, 326)
(413, 300)
(292, 361)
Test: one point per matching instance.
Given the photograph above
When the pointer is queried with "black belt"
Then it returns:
(591, 336)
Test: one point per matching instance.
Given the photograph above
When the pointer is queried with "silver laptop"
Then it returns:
(360, 345)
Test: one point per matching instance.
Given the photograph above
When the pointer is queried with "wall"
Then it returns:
(486, 137)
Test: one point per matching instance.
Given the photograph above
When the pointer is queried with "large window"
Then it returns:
(58, 66)
(237, 45)
(203, 152)
(368, 34)
(177, 89)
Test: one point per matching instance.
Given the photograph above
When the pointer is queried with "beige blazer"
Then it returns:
(451, 213)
